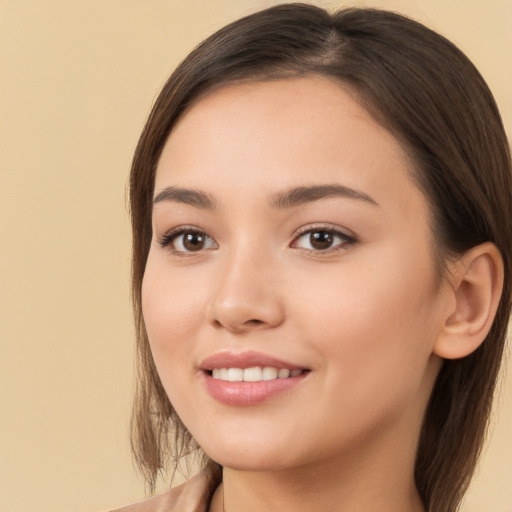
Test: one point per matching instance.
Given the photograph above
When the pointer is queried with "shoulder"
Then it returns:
(192, 496)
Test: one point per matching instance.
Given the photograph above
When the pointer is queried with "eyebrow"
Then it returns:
(187, 196)
(302, 195)
(288, 199)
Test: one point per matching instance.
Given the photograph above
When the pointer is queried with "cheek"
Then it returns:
(373, 322)
(170, 319)
(172, 309)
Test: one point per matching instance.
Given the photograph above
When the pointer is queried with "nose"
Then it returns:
(247, 295)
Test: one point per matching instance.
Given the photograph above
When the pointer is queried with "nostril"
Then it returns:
(254, 322)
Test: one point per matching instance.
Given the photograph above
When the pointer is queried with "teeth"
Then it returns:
(235, 374)
(269, 373)
(253, 374)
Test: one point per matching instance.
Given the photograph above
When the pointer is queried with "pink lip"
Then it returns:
(246, 393)
(244, 360)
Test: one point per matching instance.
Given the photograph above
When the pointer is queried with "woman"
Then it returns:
(321, 273)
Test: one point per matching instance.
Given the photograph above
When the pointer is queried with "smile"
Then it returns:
(254, 374)
(249, 378)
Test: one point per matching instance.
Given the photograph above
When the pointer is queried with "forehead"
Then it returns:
(262, 136)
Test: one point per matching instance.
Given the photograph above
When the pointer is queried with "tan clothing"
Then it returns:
(192, 496)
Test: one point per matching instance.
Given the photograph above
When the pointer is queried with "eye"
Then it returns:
(187, 240)
(322, 240)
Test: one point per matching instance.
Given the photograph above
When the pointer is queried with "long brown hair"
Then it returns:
(430, 96)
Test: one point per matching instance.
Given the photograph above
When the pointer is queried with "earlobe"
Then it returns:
(477, 282)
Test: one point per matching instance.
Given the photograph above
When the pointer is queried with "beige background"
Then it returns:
(77, 78)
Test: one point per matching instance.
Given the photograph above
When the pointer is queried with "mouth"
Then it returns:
(249, 378)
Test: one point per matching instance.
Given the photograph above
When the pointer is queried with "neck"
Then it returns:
(254, 492)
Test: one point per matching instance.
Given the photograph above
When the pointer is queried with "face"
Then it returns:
(290, 296)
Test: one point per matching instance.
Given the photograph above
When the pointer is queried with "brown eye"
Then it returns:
(321, 240)
(194, 241)
(185, 240)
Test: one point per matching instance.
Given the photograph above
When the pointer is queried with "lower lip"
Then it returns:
(249, 393)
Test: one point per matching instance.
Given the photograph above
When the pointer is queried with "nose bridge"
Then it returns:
(246, 294)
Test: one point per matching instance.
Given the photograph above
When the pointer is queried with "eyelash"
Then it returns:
(346, 240)
(168, 238)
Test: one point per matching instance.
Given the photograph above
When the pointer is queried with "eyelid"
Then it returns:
(325, 226)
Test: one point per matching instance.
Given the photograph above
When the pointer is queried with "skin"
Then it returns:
(363, 316)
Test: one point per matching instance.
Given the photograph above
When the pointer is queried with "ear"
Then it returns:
(476, 284)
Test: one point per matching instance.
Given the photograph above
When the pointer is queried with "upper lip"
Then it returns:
(244, 360)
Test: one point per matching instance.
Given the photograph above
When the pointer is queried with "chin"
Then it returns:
(249, 462)
(258, 456)
(249, 456)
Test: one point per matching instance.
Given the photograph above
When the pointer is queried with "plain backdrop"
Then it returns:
(77, 79)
